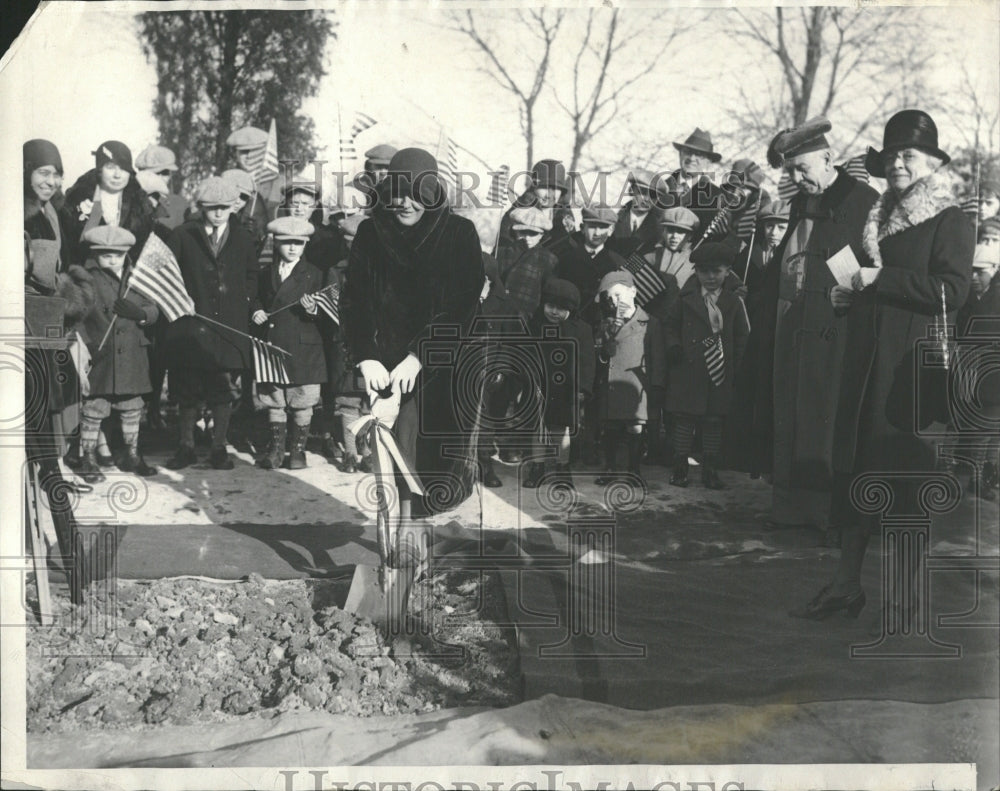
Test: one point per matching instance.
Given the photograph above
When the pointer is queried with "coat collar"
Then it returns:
(891, 214)
(635, 324)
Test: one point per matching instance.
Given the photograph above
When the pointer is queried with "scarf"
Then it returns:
(892, 213)
(412, 246)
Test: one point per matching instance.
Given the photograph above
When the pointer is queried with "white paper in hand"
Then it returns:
(843, 265)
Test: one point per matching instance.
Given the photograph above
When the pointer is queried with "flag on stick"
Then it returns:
(715, 360)
(498, 187)
(786, 187)
(360, 124)
(328, 300)
(263, 162)
(855, 167)
(157, 276)
(267, 365)
(449, 167)
(647, 282)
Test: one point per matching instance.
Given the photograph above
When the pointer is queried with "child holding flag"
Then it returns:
(207, 353)
(286, 309)
(706, 333)
(117, 344)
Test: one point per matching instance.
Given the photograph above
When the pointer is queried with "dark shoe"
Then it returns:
(88, 469)
(219, 459)
(332, 450)
(275, 452)
(105, 460)
(365, 465)
(490, 478)
(297, 454)
(184, 457)
(534, 475)
(133, 462)
(510, 456)
(710, 478)
(679, 475)
(823, 605)
(347, 464)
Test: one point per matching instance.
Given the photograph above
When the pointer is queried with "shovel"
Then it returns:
(381, 594)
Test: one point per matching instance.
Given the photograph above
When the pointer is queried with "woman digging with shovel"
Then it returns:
(414, 266)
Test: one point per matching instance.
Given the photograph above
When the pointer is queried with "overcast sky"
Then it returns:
(88, 81)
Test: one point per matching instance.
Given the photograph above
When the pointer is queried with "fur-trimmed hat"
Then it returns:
(560, 293)
(788, 143)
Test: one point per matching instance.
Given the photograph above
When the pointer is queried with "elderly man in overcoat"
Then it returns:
(827, 214)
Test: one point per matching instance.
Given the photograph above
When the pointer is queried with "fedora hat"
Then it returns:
(906, 129)
(701, 141)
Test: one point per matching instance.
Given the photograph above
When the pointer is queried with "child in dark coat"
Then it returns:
(630, 362)
(119, 376)
(706, 333)
(287, 311)
(568, 376)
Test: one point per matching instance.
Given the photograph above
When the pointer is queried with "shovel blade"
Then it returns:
(381, 597)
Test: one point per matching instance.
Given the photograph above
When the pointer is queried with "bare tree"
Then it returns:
(518, 71)
(877, 58)
(604, 73)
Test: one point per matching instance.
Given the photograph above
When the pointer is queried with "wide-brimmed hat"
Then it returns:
(549, 173)
(701, 141)
(906, 129)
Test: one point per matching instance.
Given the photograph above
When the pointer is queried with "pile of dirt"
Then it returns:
(179, 651)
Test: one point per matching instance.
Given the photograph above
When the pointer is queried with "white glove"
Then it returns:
(374, 374)
(405, 374)
(864, 277)
(259, 317)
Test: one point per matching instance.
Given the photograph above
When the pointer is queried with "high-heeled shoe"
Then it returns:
(823, 605)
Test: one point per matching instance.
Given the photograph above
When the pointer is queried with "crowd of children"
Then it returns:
(657, 370)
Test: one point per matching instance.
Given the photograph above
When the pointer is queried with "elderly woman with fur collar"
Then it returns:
(921, 245)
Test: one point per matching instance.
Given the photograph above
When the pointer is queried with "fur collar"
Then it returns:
(892, 214)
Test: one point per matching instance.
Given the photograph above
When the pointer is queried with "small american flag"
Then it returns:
(449, 168)
(327, 300)
(970, 206)
(157, 277)
(855, 167)
(647, 282)
(267, 365)
(360, 124)
(264, 163)
(715, 361)
(498, 187)
(786, 187)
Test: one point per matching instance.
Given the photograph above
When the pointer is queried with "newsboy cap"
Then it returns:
(247, 137)
(613, 278)
(152, 183)
(530, 218)
(109, 237)
(156, 158)
(216, 191)
(679, 217)
(114, 151)
(713, 254)
(560, 293)
(240, 179)
(291, 228)
(598, 215)
(992, 224)
(380, 155)
(778, 210)
(788, 143)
